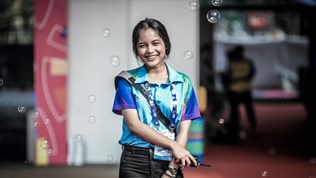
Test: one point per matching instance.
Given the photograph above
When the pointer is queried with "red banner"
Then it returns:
(50, 71)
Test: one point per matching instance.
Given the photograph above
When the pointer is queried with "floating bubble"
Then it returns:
(221, 121)
(115, 61)
(264, 173)
(312, 161)
(188, 55)
(217, 2)
(213, 16)
(106, 33)
(272, 151)
(35, 123)
(78, 138)
(47, 121)
(1, 82)
(92, 98)
(193, 5)
(92, 119)
(109, 158)
(242, 135)
(49, 151)
(21, 109)
(44, 144)
(35, 114)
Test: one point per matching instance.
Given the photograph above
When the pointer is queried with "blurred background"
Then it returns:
(53, 110)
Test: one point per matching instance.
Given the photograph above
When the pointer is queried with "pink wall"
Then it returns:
(50, 76)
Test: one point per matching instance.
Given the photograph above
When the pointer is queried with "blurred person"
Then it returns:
(308, 96)
(157, 107)
(214, 101)
(238, 83)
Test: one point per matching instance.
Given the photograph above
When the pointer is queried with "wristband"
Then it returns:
(169, 176)
(173, 171)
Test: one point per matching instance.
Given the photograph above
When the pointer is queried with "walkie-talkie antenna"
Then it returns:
(199, 163)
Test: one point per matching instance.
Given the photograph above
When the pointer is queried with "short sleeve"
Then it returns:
(123, 98)
(192, 110)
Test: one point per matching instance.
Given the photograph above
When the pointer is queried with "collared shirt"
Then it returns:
(128, 97)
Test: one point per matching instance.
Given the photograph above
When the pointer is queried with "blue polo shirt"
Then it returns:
(128, 97)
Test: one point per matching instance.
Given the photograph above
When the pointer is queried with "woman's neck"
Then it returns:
(158, 75)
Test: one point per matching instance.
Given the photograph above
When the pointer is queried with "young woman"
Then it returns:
(158, 113)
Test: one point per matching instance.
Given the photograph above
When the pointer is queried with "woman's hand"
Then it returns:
(182, 157)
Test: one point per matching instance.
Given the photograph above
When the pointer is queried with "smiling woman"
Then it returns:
(155, 129)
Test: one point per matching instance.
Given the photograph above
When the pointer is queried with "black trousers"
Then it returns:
(235, 100)
(139, 163)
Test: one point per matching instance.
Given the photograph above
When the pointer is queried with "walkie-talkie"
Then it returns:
(199, 163)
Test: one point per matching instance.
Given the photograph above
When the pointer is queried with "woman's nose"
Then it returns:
(150, 49)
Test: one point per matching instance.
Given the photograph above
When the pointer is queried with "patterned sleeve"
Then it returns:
(123, 98)
(191, 107)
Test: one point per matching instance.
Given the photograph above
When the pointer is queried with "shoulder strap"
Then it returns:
(125, 75)
(131, 80)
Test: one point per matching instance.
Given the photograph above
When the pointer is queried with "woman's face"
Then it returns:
(151, 48)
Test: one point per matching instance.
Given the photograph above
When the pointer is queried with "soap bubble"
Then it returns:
(21, 109)
(264, 173)
(110, 158)
(44, 144)
(213, 16)
(35, 114)
(115, 61)
(35, 123)
(47, 121)
(92, 119)
(78, 138)
(217, 2)
(193, 5)
(92, 98)
(221, 121)
(188, 55)
(106, 32)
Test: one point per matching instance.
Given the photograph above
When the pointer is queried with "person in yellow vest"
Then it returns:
(239, 77)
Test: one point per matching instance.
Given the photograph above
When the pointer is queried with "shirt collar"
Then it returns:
(142, 75)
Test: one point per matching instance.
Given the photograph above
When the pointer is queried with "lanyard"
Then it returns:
(154, 109)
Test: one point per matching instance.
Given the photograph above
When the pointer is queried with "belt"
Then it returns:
(135, 149)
